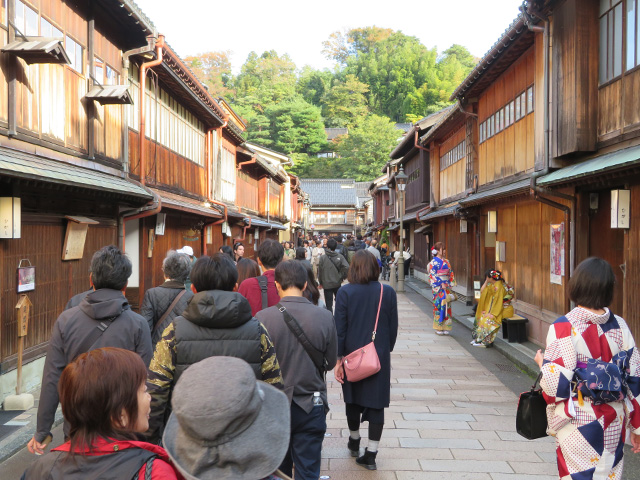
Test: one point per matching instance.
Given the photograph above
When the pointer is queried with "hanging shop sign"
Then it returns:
(620, 201)
(557, 253)
(26, 276)
(161, 220)
(75, 237)
(10, 217)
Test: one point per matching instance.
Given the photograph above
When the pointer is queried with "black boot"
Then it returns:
(354, 447)
(368, 460)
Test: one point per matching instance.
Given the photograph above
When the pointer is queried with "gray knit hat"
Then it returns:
(225, 424)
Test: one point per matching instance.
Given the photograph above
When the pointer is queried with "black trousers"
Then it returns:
(329, 295)
(305, 446)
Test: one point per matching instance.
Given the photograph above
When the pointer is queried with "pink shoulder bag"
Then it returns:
(364, 362)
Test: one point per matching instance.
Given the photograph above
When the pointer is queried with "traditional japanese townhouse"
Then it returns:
(414, 160)
(594, 137)
(63, 163)
(173, 135)
(274, 193)
(295, 212)
(379, 192)
(334, 203)
(486, 150)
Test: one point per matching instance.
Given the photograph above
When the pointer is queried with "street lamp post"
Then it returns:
(401, 183)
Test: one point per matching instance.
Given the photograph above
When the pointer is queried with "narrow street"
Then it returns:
(452, 412)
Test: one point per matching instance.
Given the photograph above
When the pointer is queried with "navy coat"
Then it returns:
(355, 316)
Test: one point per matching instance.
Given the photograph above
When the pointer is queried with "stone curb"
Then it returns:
(520, 354)
(16, 441)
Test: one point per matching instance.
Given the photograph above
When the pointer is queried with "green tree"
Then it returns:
(309, 166)
(214, 70)
(366, 149)
(346, 103)
(313, 84)
(266, 79)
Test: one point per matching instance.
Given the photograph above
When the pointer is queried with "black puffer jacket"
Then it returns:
(156, 302)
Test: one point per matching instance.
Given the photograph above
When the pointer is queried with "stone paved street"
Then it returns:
(450, 413)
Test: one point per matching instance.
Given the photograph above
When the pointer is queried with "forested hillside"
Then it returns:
(381, 77)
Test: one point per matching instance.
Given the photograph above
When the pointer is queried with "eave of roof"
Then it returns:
(493, 63)
(503, 191)
(407, 143)
(444, 123)
(185, 204)
(441, 211)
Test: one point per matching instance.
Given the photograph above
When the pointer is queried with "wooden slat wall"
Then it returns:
(167, 168)
(458, 253)
(452, 179)
(632, 261)
(4, 91)
(416, 170)
(421, 252)
(512, 150)
(56, 281)
(247, 191)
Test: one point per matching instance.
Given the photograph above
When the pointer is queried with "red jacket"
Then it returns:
(161, 468)
(250, 289)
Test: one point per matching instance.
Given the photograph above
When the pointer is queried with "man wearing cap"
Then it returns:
(187, 250)
(225, 424)
(216, 322)
(303, 371)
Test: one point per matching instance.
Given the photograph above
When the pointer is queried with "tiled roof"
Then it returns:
(330, 192)
(405, 127)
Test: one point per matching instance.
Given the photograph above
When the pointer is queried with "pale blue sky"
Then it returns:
(299, 27)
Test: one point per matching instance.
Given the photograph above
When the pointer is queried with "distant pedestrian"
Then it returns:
(226, 425)
(373, 250)
(332, 271)
(355, 316)
(104, 400)
(227, 250)
(302, 258)
(340, 248)
(261, 291)
(103, 319)
(442, 279)
(238, 251)
(164, 303)
(490, 311)
(289, 252)
(591, 379)
(303, 375)
(318, 251)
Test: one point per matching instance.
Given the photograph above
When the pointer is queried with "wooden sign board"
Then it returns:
(75, 237)
(24, 308)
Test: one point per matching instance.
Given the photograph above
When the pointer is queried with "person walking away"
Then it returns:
(226, 425)
(227, 250)
(187, 250)
(103, 319)
(307, 249)
(218, 321)
(340, 248)
(238, 251)
(373, 250)
(489, 313)
(304, 375)
(591, 379)
(318, 251)
(332, 271)
(301, 257)
(104, 399)
(261, 291)
(247, 268)
(442, 279)
(164, 303)
(356, 308)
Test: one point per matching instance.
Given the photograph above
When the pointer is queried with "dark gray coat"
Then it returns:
(332, 270)
(156, 302)
(301, 377)
(355, 315)
(129, 331)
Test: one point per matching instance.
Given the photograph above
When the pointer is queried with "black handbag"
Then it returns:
(531, 418)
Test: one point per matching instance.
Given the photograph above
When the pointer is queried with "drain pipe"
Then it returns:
(143, 94)
(126, 64)
(151, 208)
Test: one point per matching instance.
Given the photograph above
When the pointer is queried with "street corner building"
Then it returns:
(534, 167)
(107, 137)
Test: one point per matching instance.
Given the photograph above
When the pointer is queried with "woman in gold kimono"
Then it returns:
(491, 309)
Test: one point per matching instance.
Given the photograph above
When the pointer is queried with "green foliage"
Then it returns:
(366, 149)
(382, 76)
(346, 103)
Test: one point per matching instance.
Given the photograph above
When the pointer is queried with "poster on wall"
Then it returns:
(557, 253)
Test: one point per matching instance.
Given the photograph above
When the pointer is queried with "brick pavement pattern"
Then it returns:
(450, 416)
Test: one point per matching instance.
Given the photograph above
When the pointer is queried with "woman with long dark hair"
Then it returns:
(104, 398)
(355, 316)
(247, 268)
(226, 249)
(590, 374)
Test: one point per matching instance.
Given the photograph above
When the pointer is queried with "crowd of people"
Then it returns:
(223, 372)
